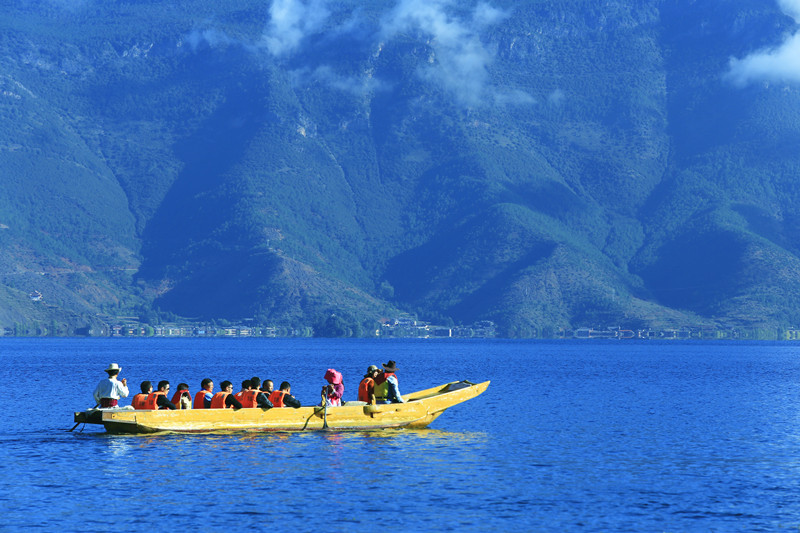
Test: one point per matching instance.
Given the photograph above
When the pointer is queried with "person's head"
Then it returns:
(255, 382)
(183, 386)
(163, 385)
(245, 385)
(113, 369)
(207, 384)
(226, 386)
(146, 387)
(333, 377)
(390, 367)
(285, 386)
(372, 371)
(267, 386)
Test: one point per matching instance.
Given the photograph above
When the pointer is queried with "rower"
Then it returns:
(332, 392)
(109, 391)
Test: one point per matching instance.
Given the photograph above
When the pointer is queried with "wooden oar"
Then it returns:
(325, 413)
(79, 423)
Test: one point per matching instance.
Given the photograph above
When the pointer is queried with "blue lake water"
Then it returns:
(569, 436)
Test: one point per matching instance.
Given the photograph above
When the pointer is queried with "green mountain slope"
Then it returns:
(544, 165)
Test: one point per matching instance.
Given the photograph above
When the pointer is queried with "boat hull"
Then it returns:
(421, 408)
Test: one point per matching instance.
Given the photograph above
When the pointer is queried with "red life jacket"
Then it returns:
(152, 399)
(176, 399)
(277, 398)
(365, 388)
(248, 398)
(139, 401)
(200, 400)
(218, 401)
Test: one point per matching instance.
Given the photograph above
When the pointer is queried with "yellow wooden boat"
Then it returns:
(421, 408)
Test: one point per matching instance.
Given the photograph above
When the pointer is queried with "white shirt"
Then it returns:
(110, 388)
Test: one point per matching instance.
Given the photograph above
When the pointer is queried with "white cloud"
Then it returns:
(291, 21)
(460, 60)
(778, 64)
(791, 8)
(486, 15)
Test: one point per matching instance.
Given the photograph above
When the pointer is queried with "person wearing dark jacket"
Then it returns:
(262, 399)
(283, 397)
(224, 398)
(162, 402)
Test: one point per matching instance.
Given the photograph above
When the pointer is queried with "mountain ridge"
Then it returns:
(548, 165)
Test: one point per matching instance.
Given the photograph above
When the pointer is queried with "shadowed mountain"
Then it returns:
(545, 165)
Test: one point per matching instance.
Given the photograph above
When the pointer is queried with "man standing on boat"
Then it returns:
(387, 388)
(109, 391)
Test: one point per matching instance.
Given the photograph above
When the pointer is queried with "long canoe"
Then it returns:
(421, 408)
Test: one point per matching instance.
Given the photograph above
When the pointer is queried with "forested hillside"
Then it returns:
(542, 164)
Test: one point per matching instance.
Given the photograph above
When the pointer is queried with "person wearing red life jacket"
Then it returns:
(255, 397)
(140, 399)
(387, 388)
(182, 397)
(158, 399)
(202, 400)
(283, 397)
(366, 389)
(225, 398)
(245, 387)
(332, 392)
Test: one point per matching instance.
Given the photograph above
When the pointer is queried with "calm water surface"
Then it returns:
(569, 437)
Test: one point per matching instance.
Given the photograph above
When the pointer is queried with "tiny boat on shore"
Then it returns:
(421, 408)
